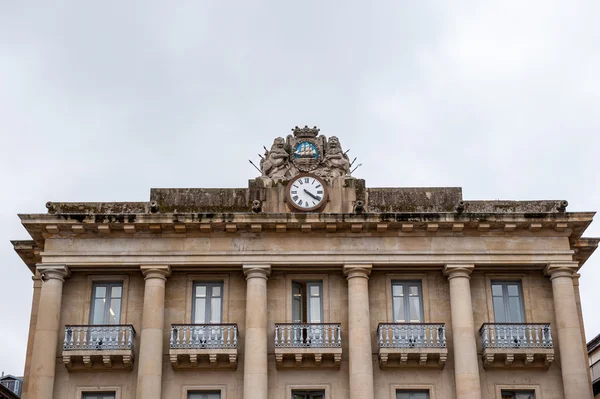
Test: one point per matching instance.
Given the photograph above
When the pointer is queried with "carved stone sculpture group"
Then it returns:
(305, 151)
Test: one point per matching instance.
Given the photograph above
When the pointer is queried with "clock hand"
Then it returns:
(311, 194)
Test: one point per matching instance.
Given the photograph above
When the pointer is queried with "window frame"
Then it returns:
(309, 392)
(204, 392)
(515, 392)
(109, 285)
(505, 299)
(186, 389)
(423, 278)
(80, 390)
(191, 279)
(305, 302)
(84, 394)
(325, 302)
(208, 302)
(411, 392)
(526, 291)
(430, 388)
(537, 390)
(326, 388)
(406, 284)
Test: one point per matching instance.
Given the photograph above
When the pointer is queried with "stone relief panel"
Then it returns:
(305, 151)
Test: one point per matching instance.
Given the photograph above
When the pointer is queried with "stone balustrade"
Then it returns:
(110, 343)
(521, 340)
(297, 341)
(401, 343)
(193, 345)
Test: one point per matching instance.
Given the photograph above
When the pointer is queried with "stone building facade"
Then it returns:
(306, 284)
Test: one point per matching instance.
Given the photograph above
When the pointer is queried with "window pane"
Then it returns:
(499, 313)
(116, 292)
(297, 309)
(516, 316)
(200, 311)
(100, 292)
(200, 291)
(216, 290)
(413, 290)
(402, 395)
(98, 312)
(420, 395)
(114, 312)
(525, 395)
(315, 310)
(415, 308)
(399, 309)
(513, 290)
(315, 290)
(397, 290)
(215, 310)
(496, 290)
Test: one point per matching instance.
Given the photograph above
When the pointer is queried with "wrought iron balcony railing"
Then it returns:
(204, 336)
(308, 335)
(411, 335)
(99, 337)
(515, 335)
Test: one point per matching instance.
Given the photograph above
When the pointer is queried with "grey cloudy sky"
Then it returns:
(99, 101)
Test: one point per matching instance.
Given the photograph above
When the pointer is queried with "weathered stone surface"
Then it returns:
(183, 200)
(512, 206)
(414, 200)
(97, 207)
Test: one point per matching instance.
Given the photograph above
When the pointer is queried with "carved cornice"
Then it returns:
(452, 270)
(155, 271)
(50, 272)
(361, 271)
(561, 269)
(257, 271)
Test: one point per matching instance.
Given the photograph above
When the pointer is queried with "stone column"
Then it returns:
(466, 364)
(255, 344)
(359, 332)
(35, 303)
(149, 381)
(573, 366)
(43, 358)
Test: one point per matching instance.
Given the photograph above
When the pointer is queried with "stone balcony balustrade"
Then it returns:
(85, 346)
(204, 345)
(412, 345)
(530, 344)
(319, 342)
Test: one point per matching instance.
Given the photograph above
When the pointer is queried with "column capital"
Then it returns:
(49, 272)
(453, 270)
(256, 271)
(155, 271)
(561, 269)
(351, 271)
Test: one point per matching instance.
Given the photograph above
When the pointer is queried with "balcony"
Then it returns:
(412, 345)
(318, 343)
(530, 344)
(204, 345)
(87, 346)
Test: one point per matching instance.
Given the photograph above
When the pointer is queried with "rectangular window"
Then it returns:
(207, 305)
(407, 302)
(518, 394)
(308, 394)
(404, 394)
(98, 395)
(507, 297)
(307, 302)
(106, 303)
(204, 395)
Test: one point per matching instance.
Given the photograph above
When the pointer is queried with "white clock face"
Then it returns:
(307, 192)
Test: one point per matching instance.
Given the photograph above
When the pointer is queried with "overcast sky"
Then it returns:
(100, 101)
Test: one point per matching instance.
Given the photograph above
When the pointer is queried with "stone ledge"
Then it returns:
(518, 357)
(308, 357)
(98, 359)
(204, 358)
(413, 357)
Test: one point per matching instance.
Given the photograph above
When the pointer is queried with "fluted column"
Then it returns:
(255, 344)
(43, 359)
(149, 381)
(573, 365)
(466, 365)
(359, 332)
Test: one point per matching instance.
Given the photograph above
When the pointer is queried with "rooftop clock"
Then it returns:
(306, 192)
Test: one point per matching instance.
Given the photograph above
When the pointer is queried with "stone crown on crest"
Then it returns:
(306, 131)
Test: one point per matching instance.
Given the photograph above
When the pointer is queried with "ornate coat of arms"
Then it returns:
(305, 151)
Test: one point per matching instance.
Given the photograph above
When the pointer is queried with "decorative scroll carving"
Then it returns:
(305, 151)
